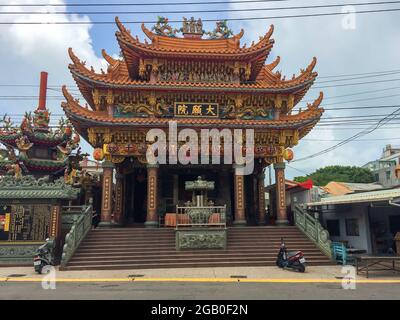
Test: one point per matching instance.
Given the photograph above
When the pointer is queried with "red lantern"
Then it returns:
(98, 154)
(288, 155)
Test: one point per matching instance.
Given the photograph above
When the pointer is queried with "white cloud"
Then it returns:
(25, 50)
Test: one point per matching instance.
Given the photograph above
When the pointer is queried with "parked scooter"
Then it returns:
(42, 257)
(293, 260)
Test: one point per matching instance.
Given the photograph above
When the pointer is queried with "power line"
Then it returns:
(357, 108)
(139, 4)
(357, 74)
(363, 99)
(204, 20)
(199, 11)
(354, 94)
(379, 124)
(361, 77)
(355, 140)
(297, 169)
(354, 84)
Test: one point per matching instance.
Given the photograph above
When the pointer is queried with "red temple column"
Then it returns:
(152, 196)
(240, 218)
(280, 194)
(107, 191)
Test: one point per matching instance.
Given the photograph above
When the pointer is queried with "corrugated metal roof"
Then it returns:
(373, 196)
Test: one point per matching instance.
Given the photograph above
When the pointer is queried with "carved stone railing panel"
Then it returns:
(201, 216)
(313, 229)
(77, 233)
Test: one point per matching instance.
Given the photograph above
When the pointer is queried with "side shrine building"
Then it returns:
(200, 80)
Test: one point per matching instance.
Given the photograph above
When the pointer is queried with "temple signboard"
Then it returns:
(26, 222)
(189, 109)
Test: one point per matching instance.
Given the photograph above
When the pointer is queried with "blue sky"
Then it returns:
(374, 45)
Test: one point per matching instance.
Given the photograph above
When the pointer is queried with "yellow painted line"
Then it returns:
(209, 280)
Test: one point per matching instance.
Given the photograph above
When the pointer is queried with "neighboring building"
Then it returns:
(212, 83)
(365, 220)
(296, 193)
(386, 170)
(334, 188)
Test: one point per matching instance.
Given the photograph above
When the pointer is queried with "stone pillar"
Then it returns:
(261, 199)
(107, 190)
(152, 196)
(240, 218)
(118, 198)
(280, 194)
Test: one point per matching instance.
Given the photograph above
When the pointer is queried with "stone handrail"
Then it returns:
(78, 232)
(313, 229)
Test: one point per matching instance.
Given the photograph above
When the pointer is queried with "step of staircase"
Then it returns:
(134, 248)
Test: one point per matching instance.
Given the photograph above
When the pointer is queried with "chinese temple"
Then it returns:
(201, 80)
(37, 181)
(33, 147)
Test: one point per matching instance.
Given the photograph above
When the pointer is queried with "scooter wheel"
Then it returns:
(302, 268)
(279, 264)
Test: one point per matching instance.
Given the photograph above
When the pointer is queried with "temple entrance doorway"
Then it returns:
(172, 186)
(136, 198)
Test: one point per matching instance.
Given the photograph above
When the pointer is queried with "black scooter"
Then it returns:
(43, 257)
(292, 260)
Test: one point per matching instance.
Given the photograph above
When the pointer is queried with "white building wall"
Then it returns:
(355, 211)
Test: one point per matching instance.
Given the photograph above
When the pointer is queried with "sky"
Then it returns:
(343, 45)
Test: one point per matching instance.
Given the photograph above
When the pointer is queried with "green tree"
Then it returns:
(339, 174)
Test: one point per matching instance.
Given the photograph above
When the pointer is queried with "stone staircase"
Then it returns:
(140, 248)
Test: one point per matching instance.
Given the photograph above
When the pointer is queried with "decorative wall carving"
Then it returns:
(201, 239)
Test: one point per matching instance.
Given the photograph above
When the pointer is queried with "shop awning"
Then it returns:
(373, 196)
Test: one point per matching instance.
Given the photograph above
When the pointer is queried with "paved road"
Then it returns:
(205, 291)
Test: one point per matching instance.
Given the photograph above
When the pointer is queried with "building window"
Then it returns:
(376, 177)
(352, 227)
(333, 227)
(387, 175)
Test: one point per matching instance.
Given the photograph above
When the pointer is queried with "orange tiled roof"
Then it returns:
(308, 117)
(117, 76)
(174, 47)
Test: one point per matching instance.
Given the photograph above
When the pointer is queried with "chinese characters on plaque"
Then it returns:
(189, 109)
(25, 222)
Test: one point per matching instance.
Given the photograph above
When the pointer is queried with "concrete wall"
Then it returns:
(383, 179)
(355, 211)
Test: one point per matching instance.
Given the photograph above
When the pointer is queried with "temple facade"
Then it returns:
(197, 80)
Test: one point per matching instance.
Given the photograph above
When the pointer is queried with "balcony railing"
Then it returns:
(207, 216)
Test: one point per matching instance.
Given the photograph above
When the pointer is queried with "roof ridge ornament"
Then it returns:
(221, 31)
(192, 28)
(162, 28)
